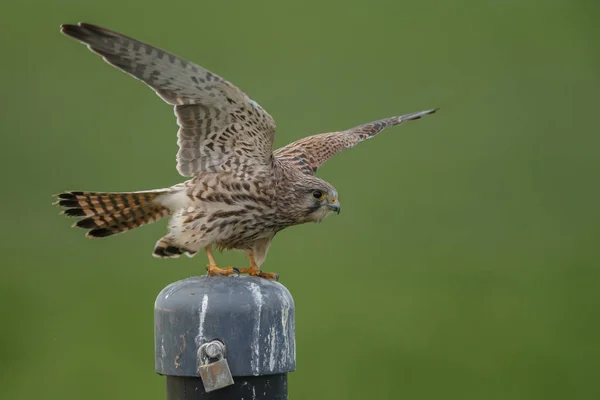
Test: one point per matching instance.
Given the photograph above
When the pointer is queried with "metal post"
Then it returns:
(208, 326)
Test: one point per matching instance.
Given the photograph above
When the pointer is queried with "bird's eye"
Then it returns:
(317, 194)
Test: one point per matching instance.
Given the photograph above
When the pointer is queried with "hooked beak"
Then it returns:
(334, 207)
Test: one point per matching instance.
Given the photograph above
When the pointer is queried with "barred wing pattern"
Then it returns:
(221, 129)
(309, 153)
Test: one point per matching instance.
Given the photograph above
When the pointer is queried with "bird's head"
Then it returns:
(314, 199)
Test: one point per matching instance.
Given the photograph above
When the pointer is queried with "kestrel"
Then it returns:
(241, 192)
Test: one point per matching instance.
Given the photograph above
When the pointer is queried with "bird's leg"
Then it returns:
(212, 267)
(253, 270)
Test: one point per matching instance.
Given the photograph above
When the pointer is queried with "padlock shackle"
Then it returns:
(215, 347)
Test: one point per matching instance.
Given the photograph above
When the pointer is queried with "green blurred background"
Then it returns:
(465, 264)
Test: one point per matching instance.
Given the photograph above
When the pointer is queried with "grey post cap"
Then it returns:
(253, 317)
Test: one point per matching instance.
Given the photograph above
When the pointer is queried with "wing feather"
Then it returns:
(309, 153)
(221, 128)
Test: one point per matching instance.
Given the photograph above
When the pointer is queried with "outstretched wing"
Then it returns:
(221, 129)
(311, 152)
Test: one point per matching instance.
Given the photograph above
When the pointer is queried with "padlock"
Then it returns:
(215, 375)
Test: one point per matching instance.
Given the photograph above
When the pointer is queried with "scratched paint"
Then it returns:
(201, 320)
(255, 344)
(272, 337)
(285, 310)
(163, 352)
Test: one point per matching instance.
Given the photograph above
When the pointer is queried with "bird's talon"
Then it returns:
(269, 275)
(214, 270)
(236, 270)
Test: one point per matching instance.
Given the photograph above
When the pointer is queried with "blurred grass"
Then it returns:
(465, 263)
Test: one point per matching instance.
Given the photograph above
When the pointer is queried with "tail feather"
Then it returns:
(106, 214)
(166, 247)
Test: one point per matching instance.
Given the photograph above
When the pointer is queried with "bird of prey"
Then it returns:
(241, 192)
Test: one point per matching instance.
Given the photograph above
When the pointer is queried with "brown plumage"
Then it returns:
(241, 192)
(111, 213)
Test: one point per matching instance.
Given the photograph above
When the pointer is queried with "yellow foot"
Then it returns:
(253, 270)
(216, 270)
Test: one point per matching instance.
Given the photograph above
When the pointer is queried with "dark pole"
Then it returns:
(206, 327)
